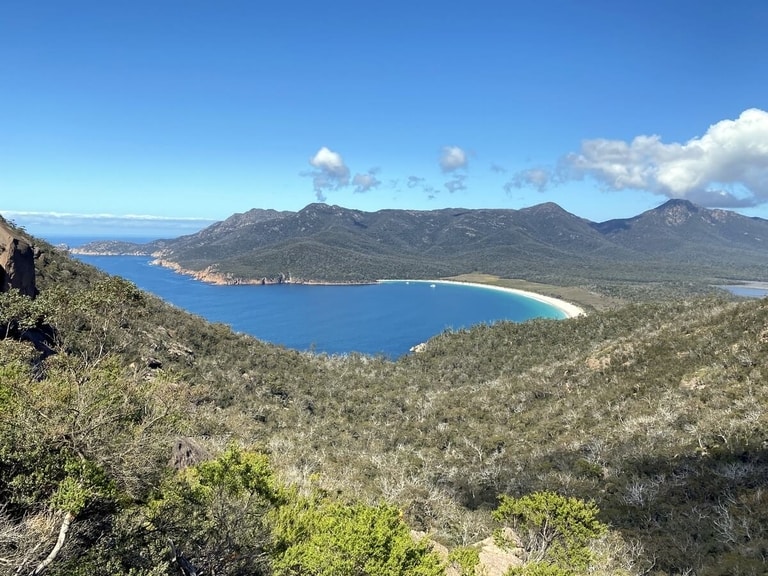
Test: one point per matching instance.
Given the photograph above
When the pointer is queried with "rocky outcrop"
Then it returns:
(210, 274)
(187, 452)
(17, 263)
(494, 560)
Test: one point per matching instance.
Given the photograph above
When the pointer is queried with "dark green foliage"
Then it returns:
(465, 559)
(213, 512)
(322, 537)
(19, 313)
(555, 530)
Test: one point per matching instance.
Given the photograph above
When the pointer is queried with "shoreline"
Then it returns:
(568, 309)
(212, 276)
(752, 284)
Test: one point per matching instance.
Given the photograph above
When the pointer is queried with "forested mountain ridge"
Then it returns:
(152, 441)
(679, 226)
(677, 240)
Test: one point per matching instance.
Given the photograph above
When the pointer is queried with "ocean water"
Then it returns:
(386, 318)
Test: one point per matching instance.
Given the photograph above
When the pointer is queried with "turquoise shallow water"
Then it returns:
(386, 318)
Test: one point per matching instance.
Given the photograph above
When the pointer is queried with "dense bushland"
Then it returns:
(655, 413)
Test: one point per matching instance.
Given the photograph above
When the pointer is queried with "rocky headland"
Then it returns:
(212, 275)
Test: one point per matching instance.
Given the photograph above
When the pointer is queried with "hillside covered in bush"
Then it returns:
(675, 242)
(138, 439)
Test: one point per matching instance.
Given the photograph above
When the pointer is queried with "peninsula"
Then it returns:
(677, 246)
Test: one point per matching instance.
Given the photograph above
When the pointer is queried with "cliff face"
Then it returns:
(17, 263)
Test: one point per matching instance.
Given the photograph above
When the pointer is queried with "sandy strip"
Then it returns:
(568, 309)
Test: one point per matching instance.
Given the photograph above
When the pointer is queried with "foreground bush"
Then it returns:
(555, 531)
(330, 538)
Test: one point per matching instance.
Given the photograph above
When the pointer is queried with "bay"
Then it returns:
(385, 318)
(747, 291)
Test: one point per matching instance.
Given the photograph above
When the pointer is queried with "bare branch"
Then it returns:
(68, 518)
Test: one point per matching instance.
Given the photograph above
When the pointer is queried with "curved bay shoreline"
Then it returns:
(568, 309)
(211, 276)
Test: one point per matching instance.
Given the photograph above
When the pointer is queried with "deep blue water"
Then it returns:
(386, 318)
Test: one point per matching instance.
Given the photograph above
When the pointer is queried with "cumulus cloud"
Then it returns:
(497, 168)
(453, 158)
(330, 172)
(726, 167)
(366, 182)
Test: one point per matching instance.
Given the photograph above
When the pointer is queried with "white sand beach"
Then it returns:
(570, 310)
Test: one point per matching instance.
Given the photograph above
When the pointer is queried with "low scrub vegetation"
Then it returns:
(138, 439)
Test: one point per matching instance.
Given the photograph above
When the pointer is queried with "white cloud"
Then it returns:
(726, 167)
(365, 182)
(330, 172)
(330, 162)
(452, 158)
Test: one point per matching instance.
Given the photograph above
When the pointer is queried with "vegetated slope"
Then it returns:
(683, 232)
(657, 411)
(677, 241)
(366, 246)
(331, 243)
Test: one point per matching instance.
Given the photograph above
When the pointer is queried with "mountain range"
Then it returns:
(677, 241)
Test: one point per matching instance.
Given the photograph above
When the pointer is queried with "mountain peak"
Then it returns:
(678, 204)
(545, 207)
(676, 211)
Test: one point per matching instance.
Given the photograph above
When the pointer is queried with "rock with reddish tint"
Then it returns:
(17, 263)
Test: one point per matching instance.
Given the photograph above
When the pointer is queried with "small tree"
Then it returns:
(214, 512)
(18, 312)
(555, 530)
(321, 537)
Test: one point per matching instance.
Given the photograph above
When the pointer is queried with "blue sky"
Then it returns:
(162, 116)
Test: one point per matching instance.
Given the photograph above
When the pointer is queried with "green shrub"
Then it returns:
(214, 512)
(323, 537)
(466, 559)
(554, 529)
